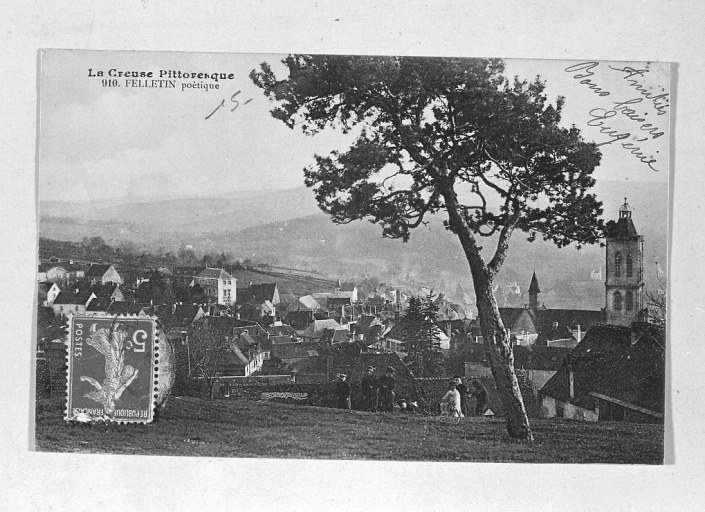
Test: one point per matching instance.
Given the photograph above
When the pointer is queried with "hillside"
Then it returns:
(286, 228)
(195, 427)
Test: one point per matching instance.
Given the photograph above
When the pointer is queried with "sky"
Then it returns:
(125, 144)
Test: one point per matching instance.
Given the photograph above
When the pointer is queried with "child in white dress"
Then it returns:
(450, 403)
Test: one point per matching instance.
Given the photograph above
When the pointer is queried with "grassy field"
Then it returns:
(195, 427)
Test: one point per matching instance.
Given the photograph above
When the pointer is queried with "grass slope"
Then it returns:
(197, 427)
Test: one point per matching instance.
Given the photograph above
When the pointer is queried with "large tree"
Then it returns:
(445, 134)
(422, 337)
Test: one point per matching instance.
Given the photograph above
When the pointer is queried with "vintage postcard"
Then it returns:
(352, 257)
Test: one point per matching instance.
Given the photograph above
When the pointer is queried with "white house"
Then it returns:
(218, 285)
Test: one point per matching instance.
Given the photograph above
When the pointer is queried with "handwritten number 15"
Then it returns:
(233, 101)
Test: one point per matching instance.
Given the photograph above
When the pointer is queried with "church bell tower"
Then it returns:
(624, 284)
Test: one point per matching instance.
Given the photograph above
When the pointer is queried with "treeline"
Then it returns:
(127, 253)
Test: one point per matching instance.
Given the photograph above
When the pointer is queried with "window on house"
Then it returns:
(618, 264)
(629, 301)
(617, 301)
(630, 265)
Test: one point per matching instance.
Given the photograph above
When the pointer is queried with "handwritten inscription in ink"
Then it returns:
(625, 121)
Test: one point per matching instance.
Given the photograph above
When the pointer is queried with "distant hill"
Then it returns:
(433, 255)
(286, 228)
(227, 212)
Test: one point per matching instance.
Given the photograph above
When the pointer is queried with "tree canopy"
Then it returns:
(431, 127)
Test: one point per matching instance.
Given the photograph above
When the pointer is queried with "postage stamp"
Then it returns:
(111, 369)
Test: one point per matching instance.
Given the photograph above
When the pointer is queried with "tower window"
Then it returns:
(617, 301)
(630, 265)
(618, 264)
(629, 301)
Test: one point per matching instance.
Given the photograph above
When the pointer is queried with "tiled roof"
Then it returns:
(264, 291)
(214, 273)
(316, 329)
(69, 297)
(616, 361)
(278, 330)
(97, 270)
(45, 267)
(365, 323)
(333, 301)
(281, 339)
(305, 303)
(103, 291)
(335, 335)
(125, 308)
(511, 315)
(539, 358)
(566, 320)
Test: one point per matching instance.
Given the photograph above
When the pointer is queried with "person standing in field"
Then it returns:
(369, 389)
(481, 397)
(342, 392)
(450, 403)
(387, 384)
(464, 391)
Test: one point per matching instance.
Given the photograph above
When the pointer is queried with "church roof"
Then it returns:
(534, 286)
(624, 227)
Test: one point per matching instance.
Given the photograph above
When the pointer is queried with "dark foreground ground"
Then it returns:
(194, 427)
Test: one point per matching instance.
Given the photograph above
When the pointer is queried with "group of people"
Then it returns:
(378, 394)
(455, 402)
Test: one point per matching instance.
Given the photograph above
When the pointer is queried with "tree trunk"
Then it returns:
(499, 352)
(498, 348)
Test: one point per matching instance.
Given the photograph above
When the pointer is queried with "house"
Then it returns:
(539, 363)
(565, 327)
(72, 301)
(47, 292)
(615, 373)
(52, 273)
(177, 318)
(317, 328)
(103, 274)
(349, 288)
(244, 356)
(109, 292)
(300, 313)
(218, 285)
(247, 360)
(260, 293)
(368, 329)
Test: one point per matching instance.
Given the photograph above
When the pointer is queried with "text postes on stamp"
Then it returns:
(111, 369)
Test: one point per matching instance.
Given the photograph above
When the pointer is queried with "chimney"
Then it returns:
(580, 334)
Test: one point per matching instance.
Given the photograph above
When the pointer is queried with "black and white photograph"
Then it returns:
(352, 257)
